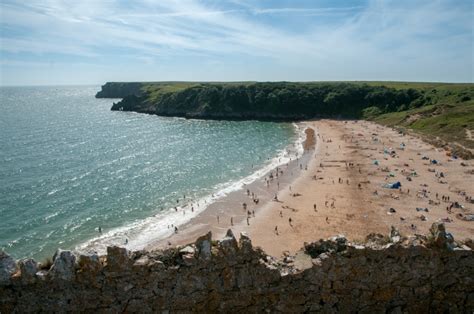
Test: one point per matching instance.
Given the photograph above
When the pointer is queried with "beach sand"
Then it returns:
(342, 173)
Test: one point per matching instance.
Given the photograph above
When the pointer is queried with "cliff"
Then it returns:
(426, 274)
(119, 90)
(266, 101)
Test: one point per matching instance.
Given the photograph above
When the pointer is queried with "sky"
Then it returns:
(53, 42)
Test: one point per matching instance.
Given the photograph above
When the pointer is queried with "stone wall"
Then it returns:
(387, 274)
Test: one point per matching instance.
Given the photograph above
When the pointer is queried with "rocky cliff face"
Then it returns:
(432, 274)
(263, 101)
(119, 90)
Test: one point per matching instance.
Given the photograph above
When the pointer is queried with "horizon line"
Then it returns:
(245, 81)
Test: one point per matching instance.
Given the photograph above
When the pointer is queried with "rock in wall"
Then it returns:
(432, 274)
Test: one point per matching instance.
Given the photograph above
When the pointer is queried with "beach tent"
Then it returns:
(395, 185)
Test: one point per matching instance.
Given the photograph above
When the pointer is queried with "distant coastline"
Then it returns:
(442, 113)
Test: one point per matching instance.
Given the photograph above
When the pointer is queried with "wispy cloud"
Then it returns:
(379, 40)
(307, 11)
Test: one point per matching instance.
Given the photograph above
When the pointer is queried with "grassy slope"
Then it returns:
(448, 118)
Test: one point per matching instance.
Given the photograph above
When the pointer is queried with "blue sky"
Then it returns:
(53, 42)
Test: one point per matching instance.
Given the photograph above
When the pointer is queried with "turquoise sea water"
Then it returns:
(69, 165)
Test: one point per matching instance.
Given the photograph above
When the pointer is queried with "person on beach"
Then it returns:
(231, 221)
(175, 229)
(290, 221)
(100, 229)
(314, 207)
(217, 219)
(248, 221)
(276, 230)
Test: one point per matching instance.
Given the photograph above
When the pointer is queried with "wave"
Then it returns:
(139, 234)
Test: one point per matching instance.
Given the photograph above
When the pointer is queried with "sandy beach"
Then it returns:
(337, 187)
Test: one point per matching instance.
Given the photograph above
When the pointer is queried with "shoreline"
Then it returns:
(231, 205)
(346, 186)
(159, 227)
(336, 188)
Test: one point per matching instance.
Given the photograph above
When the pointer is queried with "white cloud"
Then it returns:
(385, 40)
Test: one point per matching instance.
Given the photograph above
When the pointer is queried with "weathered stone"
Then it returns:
(469, 243)
(28, 268)
(42, 275)
(63, 265)
(118, 258)
(228, 244)
(90, 263)
(203, 245)
(245, 243)
(187, 250)
(7, 268)
(439, 237)
(376, 240)
(142, 261)
(189, 259)
(344, 278)
(394, 235)
(334, 244)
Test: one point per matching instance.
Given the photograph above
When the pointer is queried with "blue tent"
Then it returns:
(395, 185)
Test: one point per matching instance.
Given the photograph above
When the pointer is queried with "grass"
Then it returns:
(448, 119)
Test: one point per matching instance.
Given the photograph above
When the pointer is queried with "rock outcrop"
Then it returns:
(119, 90)
(424, 274)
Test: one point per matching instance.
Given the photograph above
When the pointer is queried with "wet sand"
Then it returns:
(346, 170)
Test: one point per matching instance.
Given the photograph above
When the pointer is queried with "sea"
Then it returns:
(76, 175)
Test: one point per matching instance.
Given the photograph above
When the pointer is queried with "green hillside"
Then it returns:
(441, 112)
